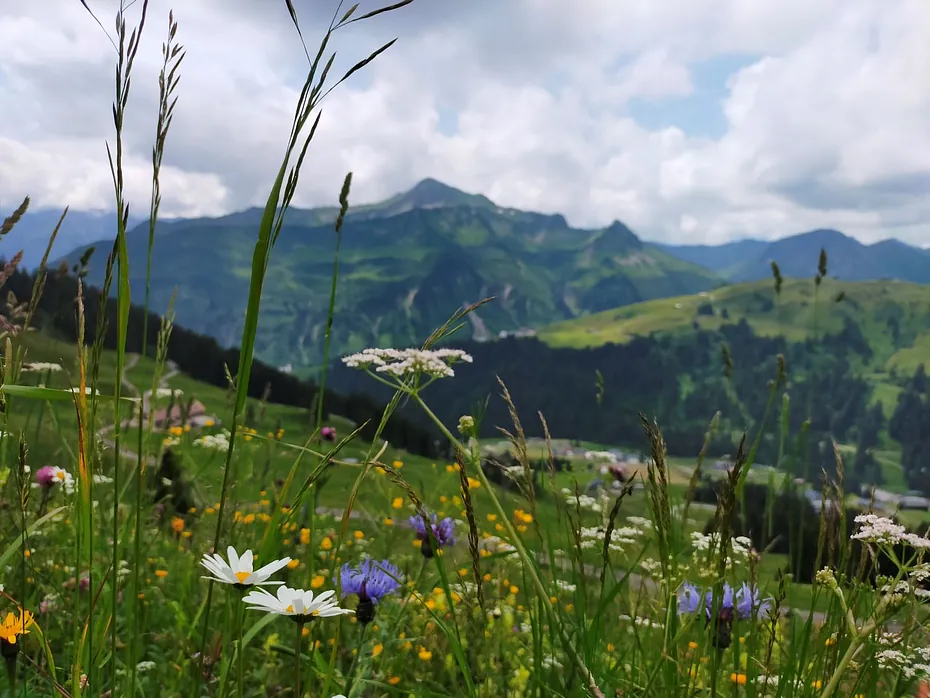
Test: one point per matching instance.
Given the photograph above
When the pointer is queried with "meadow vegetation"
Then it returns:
(258, 548)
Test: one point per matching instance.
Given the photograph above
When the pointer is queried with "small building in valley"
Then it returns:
(194, 413)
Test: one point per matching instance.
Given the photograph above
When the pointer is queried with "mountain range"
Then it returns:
(796, 256)
(407, 263)
(31, 234)
(405, 266)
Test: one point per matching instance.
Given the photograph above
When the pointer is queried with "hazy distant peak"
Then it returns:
(618, 233)
(822, 236)
(431, 193)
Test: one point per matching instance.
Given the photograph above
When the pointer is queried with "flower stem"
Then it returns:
(358, 654)
(846, 659)
(528, 565)
(240, 651)
(11, 673)
(300, 636)
(406, 602)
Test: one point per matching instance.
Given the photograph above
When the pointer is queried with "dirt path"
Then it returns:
(103, 433)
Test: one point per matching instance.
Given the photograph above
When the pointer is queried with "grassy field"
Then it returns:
(406, 650)
(791, 315)
(282, 434)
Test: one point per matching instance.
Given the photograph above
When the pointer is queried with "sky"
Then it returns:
(692, 121)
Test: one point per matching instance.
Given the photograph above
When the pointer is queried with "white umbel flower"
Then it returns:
(220, 441)
(299, 604)
(403, 362)
(40, 367)
(878, 529)
(239, 570)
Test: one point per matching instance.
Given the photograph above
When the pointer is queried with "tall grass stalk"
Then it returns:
(340, 219)
(127, 49)
(303, 128)
(168, 78)
(528, 563)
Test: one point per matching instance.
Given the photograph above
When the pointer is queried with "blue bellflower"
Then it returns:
(443, 532)
(371, 581)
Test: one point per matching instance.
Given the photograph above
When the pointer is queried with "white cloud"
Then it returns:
(827, 127)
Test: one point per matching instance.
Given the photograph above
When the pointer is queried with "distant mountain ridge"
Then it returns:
(32, 233)
(796, 256)
(406, 264)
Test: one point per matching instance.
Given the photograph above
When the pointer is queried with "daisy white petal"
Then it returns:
(238, 571)
(299, 604)
(272, 567)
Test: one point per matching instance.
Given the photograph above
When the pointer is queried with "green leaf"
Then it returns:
(34, 392)
(18, 542)
(256, 629)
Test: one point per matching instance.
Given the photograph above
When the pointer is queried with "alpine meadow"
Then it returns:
(435, 446)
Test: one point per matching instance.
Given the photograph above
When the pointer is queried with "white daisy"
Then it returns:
(300, 604)
(64, 478)
(239, 571)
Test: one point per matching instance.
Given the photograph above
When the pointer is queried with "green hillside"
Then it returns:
(281, 432)
(404, 267)
(50, 429)
(893, 316)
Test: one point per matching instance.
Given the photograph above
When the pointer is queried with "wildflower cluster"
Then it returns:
(442, 532)
(893, 654)
(40, 367)
(582, 501)
(741, 603)
(403, 362)
(593, 537)
(879, 530)
(217, 442)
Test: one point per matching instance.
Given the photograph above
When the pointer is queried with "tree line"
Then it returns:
(681, 380)
(203, 359)
(910, 424)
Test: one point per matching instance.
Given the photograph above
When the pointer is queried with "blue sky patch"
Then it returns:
(699, 114)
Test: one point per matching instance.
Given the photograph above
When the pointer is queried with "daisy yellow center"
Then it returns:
(60, 475)
(242, 576)
(290, 608)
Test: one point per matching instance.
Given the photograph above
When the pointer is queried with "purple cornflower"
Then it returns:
(741, 603)
(443, 532)
(371, 581)
(689, 598)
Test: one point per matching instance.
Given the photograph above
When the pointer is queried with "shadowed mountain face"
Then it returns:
(796, 256)
(405, 265)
